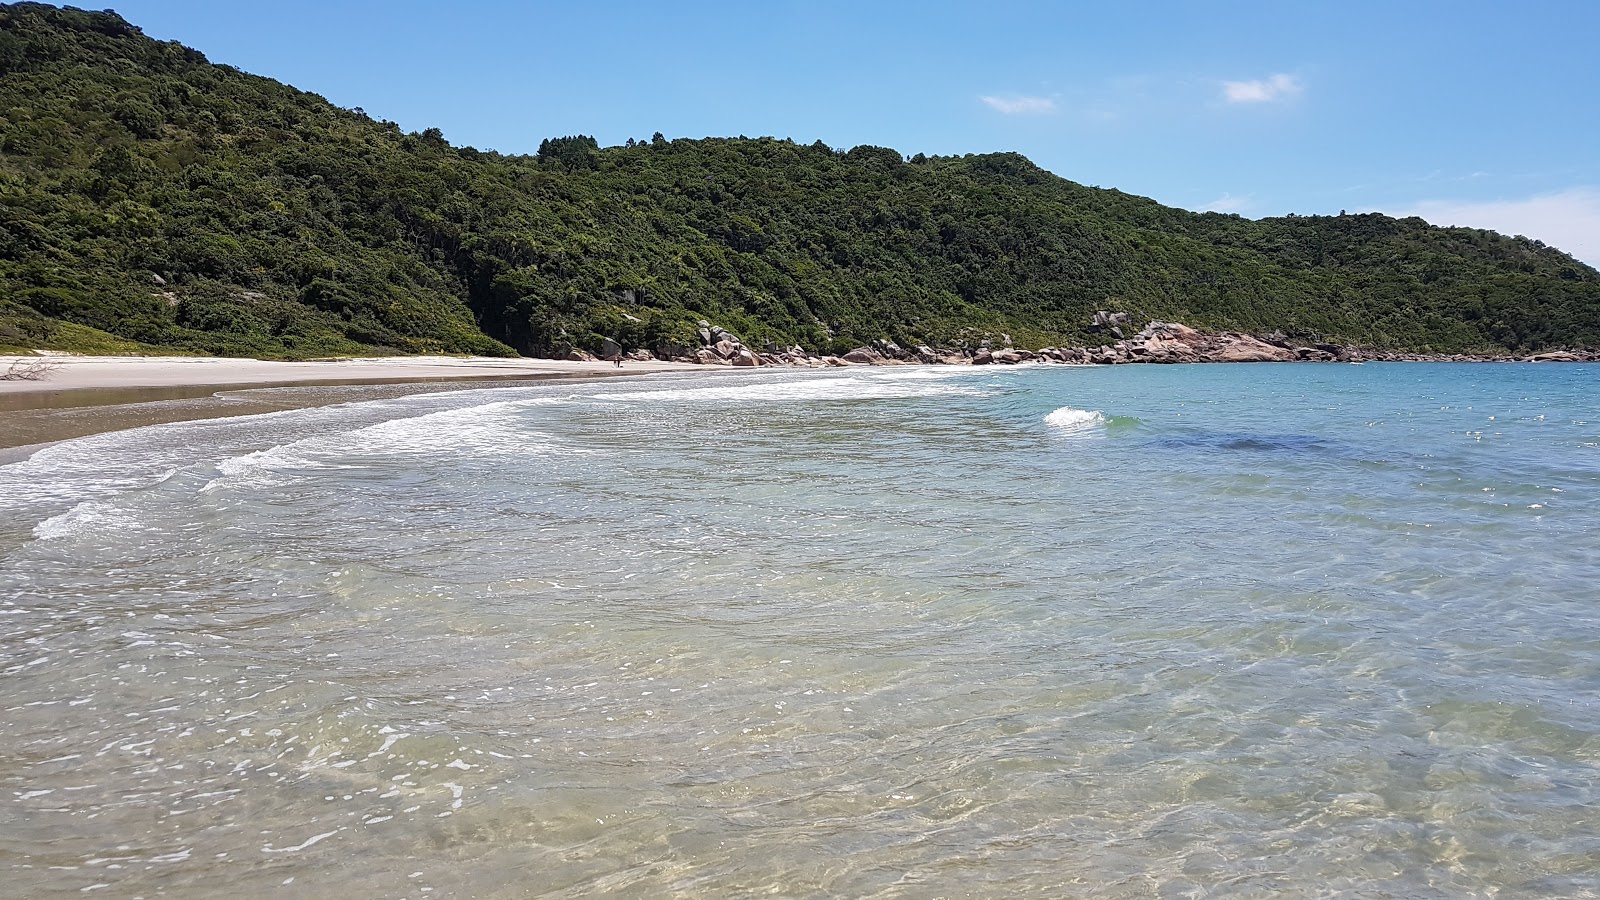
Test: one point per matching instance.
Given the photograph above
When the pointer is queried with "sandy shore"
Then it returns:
(69, 373)
(83, 395)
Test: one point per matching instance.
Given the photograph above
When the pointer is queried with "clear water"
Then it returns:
(1318, 630)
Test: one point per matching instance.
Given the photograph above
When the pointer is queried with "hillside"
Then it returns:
(152, 199)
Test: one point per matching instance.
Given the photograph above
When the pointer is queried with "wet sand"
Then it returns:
(70, 373)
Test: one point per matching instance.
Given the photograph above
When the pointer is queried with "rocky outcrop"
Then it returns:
(1559, 356)
(1157, 343)
(863, 356)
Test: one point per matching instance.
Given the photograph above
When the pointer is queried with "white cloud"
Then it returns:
(1227, 203)
(1021, 106)
(1266, 90)
(1568, 219)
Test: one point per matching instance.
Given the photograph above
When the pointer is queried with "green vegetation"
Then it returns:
(152, 200)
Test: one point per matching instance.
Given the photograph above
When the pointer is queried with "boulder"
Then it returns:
(1235, 347)
(863, 356)
(576, 355)
(1103, 319)
(1312, 353)
(745, 358)
(982, 357)
(834, 361)
(1555, 356)
(725, 348)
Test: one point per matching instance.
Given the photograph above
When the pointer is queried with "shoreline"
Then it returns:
(77, 373)
(84, 396)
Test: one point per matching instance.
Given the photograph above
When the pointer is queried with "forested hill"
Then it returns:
(150, 198)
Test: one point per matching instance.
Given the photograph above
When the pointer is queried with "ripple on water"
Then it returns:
(862, 633)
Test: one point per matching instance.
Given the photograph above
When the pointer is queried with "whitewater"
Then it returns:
(1172, 631)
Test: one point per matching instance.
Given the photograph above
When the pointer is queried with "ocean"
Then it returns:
(1135, 631)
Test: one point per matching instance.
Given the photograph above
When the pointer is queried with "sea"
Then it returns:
(1313, 630)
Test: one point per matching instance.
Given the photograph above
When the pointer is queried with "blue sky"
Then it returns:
(1465, 112)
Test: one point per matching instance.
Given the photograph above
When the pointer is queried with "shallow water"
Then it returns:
(1117, 632)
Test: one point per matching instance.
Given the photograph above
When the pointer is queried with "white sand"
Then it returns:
(83, 372)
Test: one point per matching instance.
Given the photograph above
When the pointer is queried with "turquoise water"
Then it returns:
(1247, 630)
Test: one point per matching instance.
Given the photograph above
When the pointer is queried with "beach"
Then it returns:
(81, 395)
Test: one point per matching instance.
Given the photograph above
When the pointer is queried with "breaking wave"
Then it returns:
(1070, 420)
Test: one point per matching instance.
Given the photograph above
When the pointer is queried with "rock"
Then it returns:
(1235, 347)
(863, 356)
(1313, 354)
(725, 348)
(926, 354)
(1169, 331)
(642, 356)
(706, 357)
(834, 361)
(745, 358)
(705, 337)
(576, 355)
(1555, 356)
(982, 357)
(160, 282)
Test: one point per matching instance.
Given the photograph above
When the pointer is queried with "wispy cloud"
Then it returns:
(1568, 219)
(1021, 106)
(1275, 89)
(1227, 203)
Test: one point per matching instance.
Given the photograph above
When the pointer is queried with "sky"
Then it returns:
(1465, 113)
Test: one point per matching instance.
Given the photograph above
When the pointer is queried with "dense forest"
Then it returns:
(152, 200)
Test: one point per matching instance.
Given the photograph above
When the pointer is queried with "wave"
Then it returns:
(66, 488)
(88, 516)
(1075, 421)
(489, 429)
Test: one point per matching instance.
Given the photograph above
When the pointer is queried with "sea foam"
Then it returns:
(90, 515)
(1068, 419)
(483, 430)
